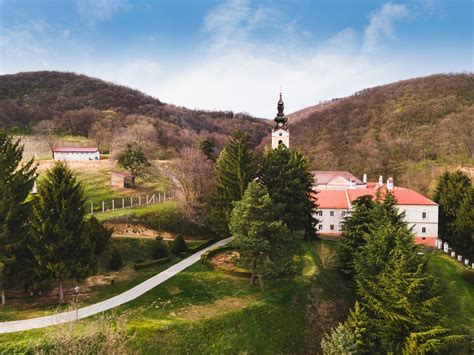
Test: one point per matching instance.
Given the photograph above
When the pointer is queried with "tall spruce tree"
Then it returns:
(399, 296)
(449, 194)
(235, 168)
(61, 247)
(266, 245)
(286, 175)
(16, 182)
(463, 226)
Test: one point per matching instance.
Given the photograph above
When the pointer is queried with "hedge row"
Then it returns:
(147, 264)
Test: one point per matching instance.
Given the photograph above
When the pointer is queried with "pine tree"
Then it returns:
(265, 244)
(16, 182)
(463, 226)
(355, 226)
(449, 194)
(357, 323)
(61, 247)
(286, 175)
(207, 146)
(235, 168)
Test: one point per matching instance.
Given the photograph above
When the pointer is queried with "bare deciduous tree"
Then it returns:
(46, 129)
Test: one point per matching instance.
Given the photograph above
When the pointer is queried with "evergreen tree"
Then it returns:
(61, 247)
(207, 146)
(463, 226)
(160, 249)
(265, 244)
(340, 341)
(235, 168)
(449, 194)
(98, 234)
(355, 226)
(179, 245)
(16, 182)
(286, 175)
(398, 294)
(357, 323)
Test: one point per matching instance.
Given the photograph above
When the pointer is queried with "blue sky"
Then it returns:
(239, 54)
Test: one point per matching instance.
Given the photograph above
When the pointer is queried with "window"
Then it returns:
(320, 227)
(331, 213)
(280, 142)
(423, 229)
(319, 213)
(331, 227)
(343, 213)
(423, 215)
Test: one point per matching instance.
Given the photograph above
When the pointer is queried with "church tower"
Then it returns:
(280, 134)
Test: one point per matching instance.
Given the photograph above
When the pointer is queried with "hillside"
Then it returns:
(409, 129)
(27, 98)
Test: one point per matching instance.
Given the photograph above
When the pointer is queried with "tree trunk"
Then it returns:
(3, 298)
(61, 291)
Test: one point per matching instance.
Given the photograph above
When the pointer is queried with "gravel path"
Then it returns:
(135, 292)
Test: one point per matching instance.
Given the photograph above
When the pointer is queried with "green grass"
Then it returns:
(133, 213)
(457, 294)
(206, 311)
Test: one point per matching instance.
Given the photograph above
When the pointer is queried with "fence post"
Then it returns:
(123, 203)
(113, 204)
(103, 206)
(159, 196)
(147, 202)
(131, 201)
(139, 200)
(92, 207)
(164, 196)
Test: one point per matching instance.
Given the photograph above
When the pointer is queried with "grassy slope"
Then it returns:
(458, 295)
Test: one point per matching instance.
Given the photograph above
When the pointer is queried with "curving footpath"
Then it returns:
(135, 292)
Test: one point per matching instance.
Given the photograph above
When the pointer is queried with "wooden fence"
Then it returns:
(130, 202)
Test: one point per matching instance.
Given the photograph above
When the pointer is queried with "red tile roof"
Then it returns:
(338, 198)
(75, 150)
(332, 199)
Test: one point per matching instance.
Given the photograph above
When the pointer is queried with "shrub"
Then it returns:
(99, 234)
(179, 245)
(327, 257)
(115, 261)
(160, 249)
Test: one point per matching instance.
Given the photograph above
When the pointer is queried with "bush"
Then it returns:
(327, 257)
(160, 249)
(98, 233)
(468, 275)
(147, 264)
(179, 245)
(115, 261)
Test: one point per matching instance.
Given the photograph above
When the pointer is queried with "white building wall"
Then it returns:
(280, 135)
(422, 227)
(76, 156)
(326, 220)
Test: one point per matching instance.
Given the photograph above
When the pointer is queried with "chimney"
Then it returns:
(390, 183)
(364, 178)
(380, 180)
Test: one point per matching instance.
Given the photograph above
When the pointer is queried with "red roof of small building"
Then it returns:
(338, 198)
(75, 150)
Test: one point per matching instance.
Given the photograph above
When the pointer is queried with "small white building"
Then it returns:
(77, 153)
(280, 134)
(335, 203)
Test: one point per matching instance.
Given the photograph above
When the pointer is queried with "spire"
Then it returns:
(280, 118)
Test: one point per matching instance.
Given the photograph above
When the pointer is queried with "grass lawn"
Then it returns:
(458, 294)
(206, 311)
(101, 286)
(132, 213)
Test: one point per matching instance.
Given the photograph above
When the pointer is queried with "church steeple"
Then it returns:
(280, 118)
(280, 134)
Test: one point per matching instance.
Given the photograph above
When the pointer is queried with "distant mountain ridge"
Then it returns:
(27, 98)
(403, 129)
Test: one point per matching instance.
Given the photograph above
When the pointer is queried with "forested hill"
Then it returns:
(406, 129)
(27, 98)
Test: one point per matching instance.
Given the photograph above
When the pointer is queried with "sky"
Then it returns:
(239, 54)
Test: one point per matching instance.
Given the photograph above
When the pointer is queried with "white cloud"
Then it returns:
(381, 23)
